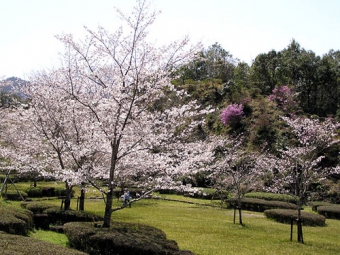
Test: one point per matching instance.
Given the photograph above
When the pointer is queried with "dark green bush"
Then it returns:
(61, 192)
(286, 216)
(21, 245)
(57, 216)
(121, 238)
(259, 205)
(35, 192)
(37, 207)
(272, 197)
(15, 221)
(330, 211)
(14, 195)
(315, 205)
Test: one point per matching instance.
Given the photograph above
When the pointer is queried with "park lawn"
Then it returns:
(209, 230)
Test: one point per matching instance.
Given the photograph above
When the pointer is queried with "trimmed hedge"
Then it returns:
(57, 216)
(14, 195)
(272, 197)
(330, 211)
(315, 205)
(259, 205)
(15, 221)
(121, 238)
(286, 216)
(37, 207)
(21, 245)
(47, 192)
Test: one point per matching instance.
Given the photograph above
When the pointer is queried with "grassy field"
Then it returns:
(209, 230)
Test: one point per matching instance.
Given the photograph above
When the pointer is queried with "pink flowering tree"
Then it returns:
(97, 113)
(283, 98)
(232, 115)
(234, 170)
(299, 164)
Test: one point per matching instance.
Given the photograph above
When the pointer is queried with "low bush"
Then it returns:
(21, 245)
(287, 216)
(330, 211)
(315, 205)
(14, 195)
(272, 197)
(259, 205)
(121, 238)
(35, 192)
(15, 221)
(47, 192)
(37, 207)
(57, 216)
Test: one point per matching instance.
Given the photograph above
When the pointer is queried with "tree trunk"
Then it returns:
(82, 199)
(108, 208)
(240, 215)
(68, 191)
(299, 222)
(109, 195)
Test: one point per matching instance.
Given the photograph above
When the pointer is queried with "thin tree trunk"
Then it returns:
(108, 208)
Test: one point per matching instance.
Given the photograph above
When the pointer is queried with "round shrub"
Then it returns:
(287, 216)
(35, 192)
(260, 205)
(20, 245)
(330, 211)
(272, 197)
(315, 205)
(121, 238)
(15, 221)
(14, 195)
(37, 207)
(57, 216)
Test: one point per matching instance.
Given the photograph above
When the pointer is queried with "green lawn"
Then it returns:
(209, 230)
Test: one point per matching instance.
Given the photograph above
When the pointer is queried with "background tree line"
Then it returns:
(314, 80)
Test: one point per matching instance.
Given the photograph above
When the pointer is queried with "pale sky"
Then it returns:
(244, 28)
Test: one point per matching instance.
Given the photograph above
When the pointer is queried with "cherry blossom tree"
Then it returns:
(234, 170)
(299, 164)
(97, 112)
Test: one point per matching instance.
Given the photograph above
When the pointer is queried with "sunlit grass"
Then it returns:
(209, 230)
(51, 237)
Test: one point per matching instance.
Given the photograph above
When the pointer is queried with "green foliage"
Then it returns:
(13, 221)
(37, 207)
(121, 238)
(259, 205)
(272, 197)
(288, 216)
(330, 211)
(21, 245)
(57, 216)
(14, 195)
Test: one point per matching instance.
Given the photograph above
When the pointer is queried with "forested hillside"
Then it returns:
(290, 82)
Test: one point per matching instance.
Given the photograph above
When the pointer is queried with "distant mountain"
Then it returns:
(12, 86)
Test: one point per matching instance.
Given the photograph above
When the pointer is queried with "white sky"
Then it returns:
(245, 28)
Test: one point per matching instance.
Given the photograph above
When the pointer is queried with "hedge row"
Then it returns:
(121, 238)
(46, 192)
(259, 205)
(315, 205)
(57, 216)
(330, 211)
(14, 221)
(272, 197)
(287, 216)
(21, 245)
(14, 195)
